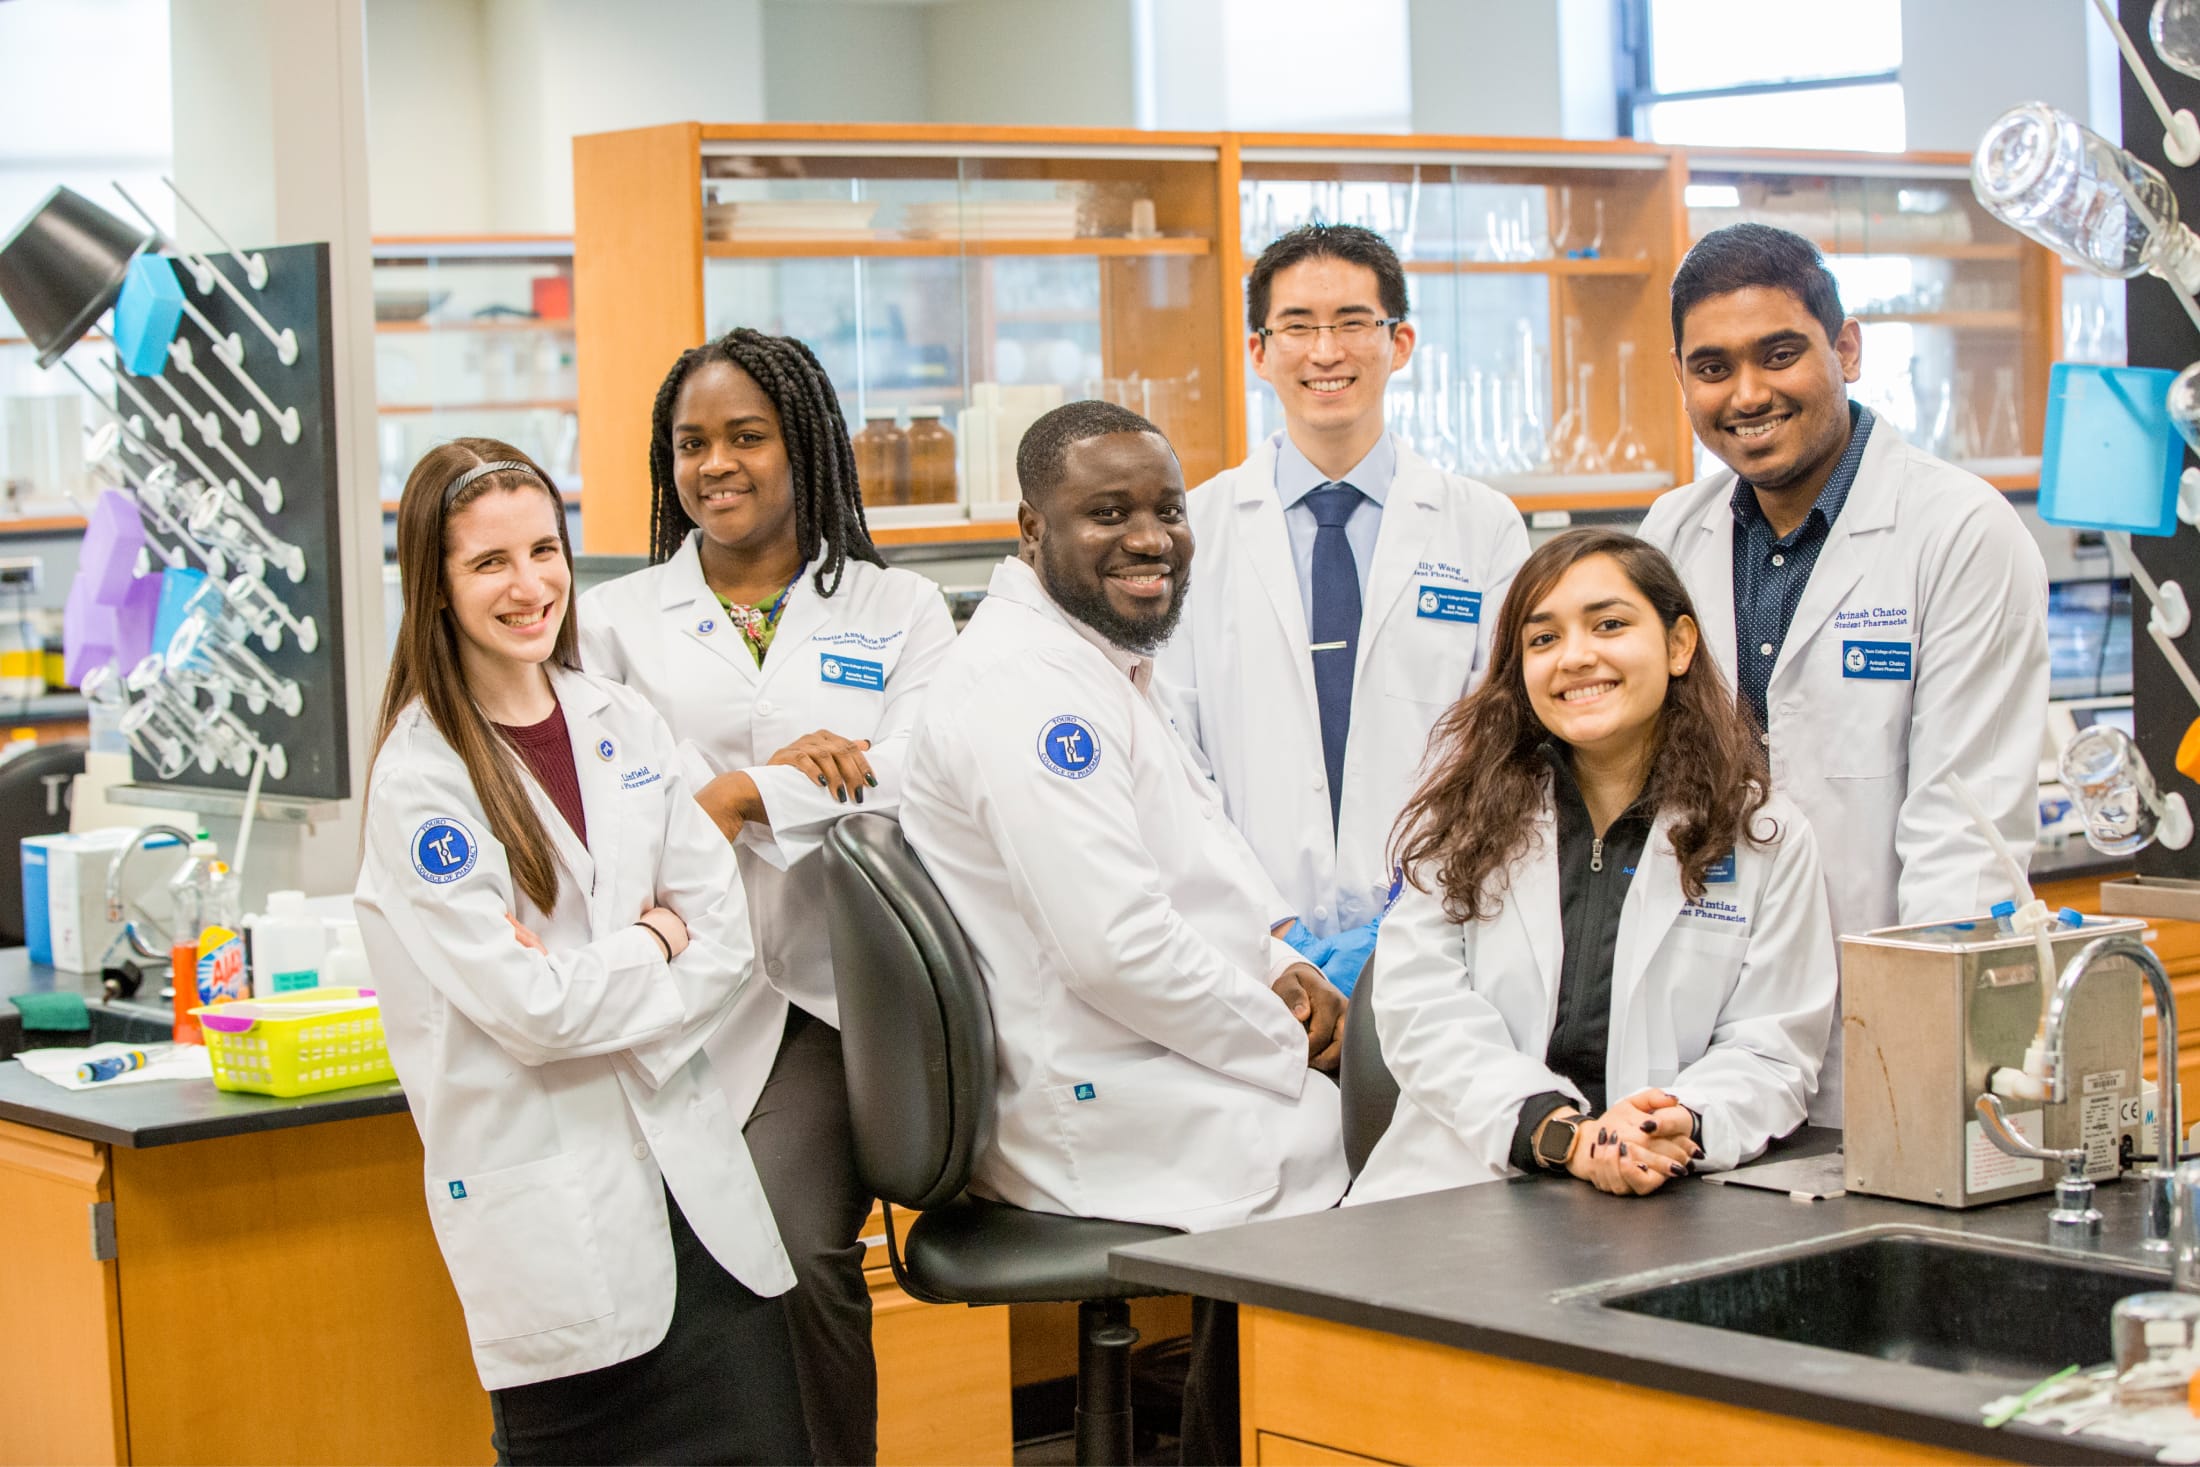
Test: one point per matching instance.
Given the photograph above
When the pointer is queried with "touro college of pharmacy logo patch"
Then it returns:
(444, 850)
(1068, 746)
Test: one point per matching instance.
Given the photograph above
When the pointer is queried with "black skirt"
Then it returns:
(720, 1386)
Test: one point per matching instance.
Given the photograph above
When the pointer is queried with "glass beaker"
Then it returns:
(2175, 29)
(2103, 770)
(1627, 453)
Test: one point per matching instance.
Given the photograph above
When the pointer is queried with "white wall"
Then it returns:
(846, 61)
(1487, 68)
(428, 163)
(1054, 63)
(1965, 62)
(474, 104)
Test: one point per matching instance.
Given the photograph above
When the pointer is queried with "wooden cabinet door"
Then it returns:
(61, 1353)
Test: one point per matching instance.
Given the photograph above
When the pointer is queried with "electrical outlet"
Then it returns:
(22, 572)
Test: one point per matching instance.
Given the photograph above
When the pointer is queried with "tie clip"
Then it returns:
(1328, 646)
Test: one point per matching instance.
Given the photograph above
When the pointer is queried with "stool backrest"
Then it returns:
(34, 800)
(1370, 1093)
(915, 1029)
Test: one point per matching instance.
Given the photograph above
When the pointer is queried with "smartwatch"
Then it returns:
(1554, 1140)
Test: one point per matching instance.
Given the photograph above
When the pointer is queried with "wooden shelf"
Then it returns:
(522, 405)
(1600, 266)
(562, 325)
(957, 532)
(1958, 320)
(793, 248)
(59, 524)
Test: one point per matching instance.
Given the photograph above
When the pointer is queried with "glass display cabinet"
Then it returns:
(1961, 314)
(1537, 274)
(474, 335)
(955, 282)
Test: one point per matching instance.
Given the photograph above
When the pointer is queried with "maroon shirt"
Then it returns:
(548, 751)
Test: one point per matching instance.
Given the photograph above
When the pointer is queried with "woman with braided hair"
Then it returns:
(789, 661)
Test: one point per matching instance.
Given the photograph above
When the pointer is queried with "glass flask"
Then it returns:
(1534, 441)
(2043, 174)
(1565, 427)
(2104, 772)
(1627, 453)
(2184, 405)
(2175, 27)
(1964, 438)
(1480, 458)
(1584, 455)
(2004, 436)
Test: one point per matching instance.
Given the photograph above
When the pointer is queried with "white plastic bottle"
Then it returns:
(346, 963)
(288, 944)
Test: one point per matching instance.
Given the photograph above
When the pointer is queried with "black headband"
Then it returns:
(478, 470)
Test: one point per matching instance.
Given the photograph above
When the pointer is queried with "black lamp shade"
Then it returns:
(62, 266)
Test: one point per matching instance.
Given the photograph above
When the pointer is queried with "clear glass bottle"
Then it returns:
(931, 450)
(1565, 428)
(882, 459)
(2042, 173)
(1534, 442)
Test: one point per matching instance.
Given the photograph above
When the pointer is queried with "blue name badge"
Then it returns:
(850, 672)
(1881, 661)
(1085, 1091)
(1721, 870)
(1449, 603)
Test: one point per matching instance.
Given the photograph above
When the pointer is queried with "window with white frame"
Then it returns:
(1773, 76)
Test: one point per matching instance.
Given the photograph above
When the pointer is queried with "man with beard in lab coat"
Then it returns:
(1882, 613)
(1347, 591)
(1153, 1039)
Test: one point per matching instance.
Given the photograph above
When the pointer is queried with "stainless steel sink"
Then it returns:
(1942, 1300)
(121, 1022)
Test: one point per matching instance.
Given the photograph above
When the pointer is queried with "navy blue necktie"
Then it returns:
(1336, 629)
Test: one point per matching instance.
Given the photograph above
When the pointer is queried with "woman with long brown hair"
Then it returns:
(557, 930)
(1610, 954)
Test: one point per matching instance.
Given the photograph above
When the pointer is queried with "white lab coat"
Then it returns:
(1726, 1003)
(855, 663)
(1146, 1070)
(554, 1092)
(1930, 566)
(1239, 680)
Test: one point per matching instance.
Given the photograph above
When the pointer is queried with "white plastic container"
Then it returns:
(288, 945)
(345, 965)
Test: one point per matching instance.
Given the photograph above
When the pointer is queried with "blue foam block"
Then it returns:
(147, 314)
(2111, 458)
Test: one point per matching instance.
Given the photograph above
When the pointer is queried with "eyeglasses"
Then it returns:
(1355, 332)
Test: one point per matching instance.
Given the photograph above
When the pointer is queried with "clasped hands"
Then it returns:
(1320, 1010)
(1637, 1146)
(732, 799)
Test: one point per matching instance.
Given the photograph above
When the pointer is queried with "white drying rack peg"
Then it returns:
(255, 264)
(186, 360)
(171, 431)
(206, 277)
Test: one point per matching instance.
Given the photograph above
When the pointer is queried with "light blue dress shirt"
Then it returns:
(1296, 478)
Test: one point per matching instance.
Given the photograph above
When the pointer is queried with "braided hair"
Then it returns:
(828, 505)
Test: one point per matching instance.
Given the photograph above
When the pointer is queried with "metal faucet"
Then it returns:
(115, 911)
(2168, 1123)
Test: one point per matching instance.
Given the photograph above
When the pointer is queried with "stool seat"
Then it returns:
(977, 1252)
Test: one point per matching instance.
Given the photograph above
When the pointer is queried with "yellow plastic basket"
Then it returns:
(333, 1042)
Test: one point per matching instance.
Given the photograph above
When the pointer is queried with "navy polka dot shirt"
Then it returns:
(1770, 571)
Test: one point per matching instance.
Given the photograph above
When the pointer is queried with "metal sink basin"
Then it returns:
(1945, 1301)
(124, 1022)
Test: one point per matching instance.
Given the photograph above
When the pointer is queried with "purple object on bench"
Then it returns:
(114, 535)
(134, 621)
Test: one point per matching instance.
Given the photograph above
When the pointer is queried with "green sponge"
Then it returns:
(55, 1013)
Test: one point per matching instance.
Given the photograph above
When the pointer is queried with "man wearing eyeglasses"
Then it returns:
(1347, 590)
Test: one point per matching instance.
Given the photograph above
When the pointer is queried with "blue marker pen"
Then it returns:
(111, 1066)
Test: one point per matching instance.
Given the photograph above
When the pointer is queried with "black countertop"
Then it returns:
(155, 1112)
(1506, 1269)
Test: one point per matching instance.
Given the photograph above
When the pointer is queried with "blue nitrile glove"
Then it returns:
(1348, 954)
(1301, 939)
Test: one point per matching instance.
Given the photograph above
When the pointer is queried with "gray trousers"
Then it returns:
(805, 1154)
